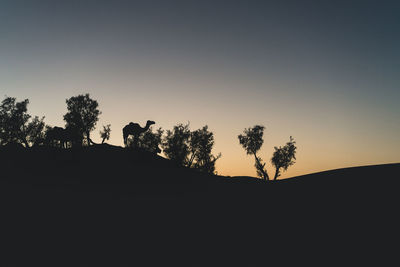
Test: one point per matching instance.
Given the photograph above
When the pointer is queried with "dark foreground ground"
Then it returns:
(107, 206)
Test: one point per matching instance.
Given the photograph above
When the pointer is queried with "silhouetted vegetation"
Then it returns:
(186, 148)
(105, 133)
(190, 149)
(252, 140)
(284, 157)
(36, 131)
(149, 141)
(82, 115)
(201, 145)
(176, 144)
(16, 125)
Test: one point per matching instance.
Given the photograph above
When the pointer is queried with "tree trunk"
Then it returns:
(191, 160)
(88, 138)
(265, 174)
(276, 173)
(89, 141)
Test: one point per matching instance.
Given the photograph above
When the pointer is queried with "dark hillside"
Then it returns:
(365, 183)
(108, 205)
(104, 168)
(126, 173)
(118, 173)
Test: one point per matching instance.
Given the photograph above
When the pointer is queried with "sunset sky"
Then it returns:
(325, 72)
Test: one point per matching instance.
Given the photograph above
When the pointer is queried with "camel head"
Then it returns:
(148, 123)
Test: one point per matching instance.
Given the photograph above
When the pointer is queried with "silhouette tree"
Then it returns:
(82, 115)
(149, 140)
(191, 149)
(284, 157)
(13, 118)
(176, 144)
(201, 144)
(16, 126)
(252, 140)
(35, 131)
(105, 133)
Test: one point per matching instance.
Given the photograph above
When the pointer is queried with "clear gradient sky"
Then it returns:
(325, 72)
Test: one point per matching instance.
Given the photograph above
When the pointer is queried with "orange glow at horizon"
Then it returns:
(322, 145)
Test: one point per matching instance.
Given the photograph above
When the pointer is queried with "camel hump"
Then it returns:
(126, 127)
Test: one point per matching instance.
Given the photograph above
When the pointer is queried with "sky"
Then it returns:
(325, 72)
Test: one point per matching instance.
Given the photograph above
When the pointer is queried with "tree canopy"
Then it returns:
(83, 114)
(149, 140)
(284, 157)
(191, 148)
(16, 125)
(201, 145)
(252, 140)
(176, 144)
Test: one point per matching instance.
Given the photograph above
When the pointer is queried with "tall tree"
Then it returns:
(16, 125)
(82, 115)
(252, 140)
(284, 157)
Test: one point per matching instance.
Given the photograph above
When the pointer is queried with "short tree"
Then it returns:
(105, 133)
(284, 157)
(16, 125)
(176, 144)
(191, 148)
(252, 140)
(201, 144)
(150, 141)
(82, 115)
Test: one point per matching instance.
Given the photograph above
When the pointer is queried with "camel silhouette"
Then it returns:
(135, 130)
(63, 136)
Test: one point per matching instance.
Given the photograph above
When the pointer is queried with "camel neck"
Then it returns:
(147, 126)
